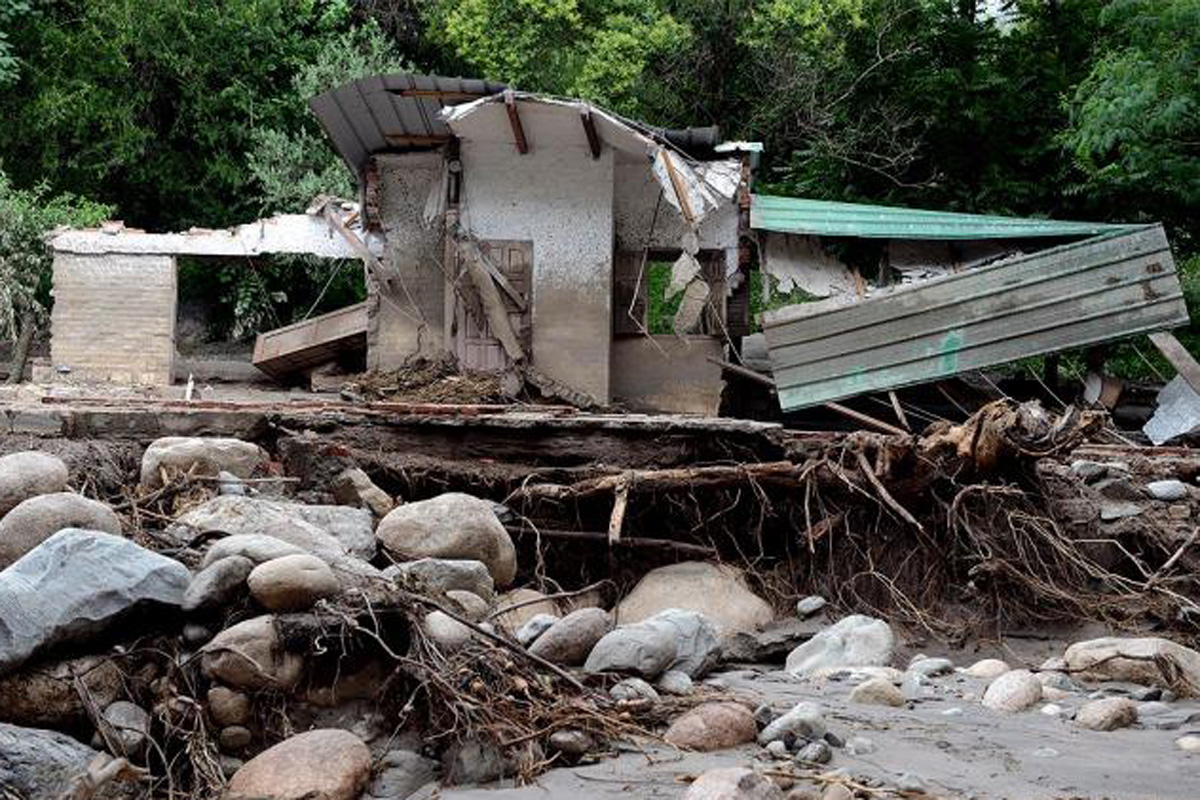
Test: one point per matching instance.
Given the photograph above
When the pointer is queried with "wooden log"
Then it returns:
(644, 481)
(633, 542)
(589, 130)
(514, 120)
(1183, 361)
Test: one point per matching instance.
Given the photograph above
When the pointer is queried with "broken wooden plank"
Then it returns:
(473, 250)
(900, 415)
(405, 140)
(1183, 361)
(680, 190)
(589, 129)
(514, 120)
(866, 419)
(617, 520)
(493, 305)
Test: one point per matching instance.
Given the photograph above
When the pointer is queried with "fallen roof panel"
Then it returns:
(827, 218)
(1074, 295)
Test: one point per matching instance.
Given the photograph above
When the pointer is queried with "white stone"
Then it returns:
(855, 641)
(1189, 743)
(807, 606)
(201, 455)
(1013, 691)
(804, 720)
(1167, 489)
(534, 627)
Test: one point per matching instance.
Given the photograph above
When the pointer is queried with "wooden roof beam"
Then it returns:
(514, 119)
(589, 129)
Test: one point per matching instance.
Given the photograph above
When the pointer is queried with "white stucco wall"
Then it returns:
(561, 199)
(635, 194)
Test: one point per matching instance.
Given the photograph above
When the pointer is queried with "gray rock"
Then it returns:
(292, 583)
(204, 456)
(228, 483)
(1168, 490)
(35, 520)
(573, 744)
(352, 527)
(228, 707)
(131, 727)
(778, 750)
(455, 526)
(218, 584)
(352, 487)
(856, 641)
(445, 631)
(77, 585)
(256, 547)
(806, 720)
(400, 773)
(437, 575)
(932, 667)
(571, 639)
(250, 655)
(817, 752)
(29, 474)
(633, 689)
(38, 764)
(732, 783)
(1090, 471)
(772, 643)
(860, 746)
(472, 606)
(534, 627)
(764, 715)
(673, 639)
(674, 682)
(1057, 680)
(1114, 510)
(810, 605)
(473, 762)
(907, 782)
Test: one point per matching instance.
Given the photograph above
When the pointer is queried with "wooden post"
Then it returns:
(589, 129)
(514, 119)
(1178, 355)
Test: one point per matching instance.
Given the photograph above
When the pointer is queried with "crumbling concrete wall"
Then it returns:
(114, 317)
(667, 373)
(407, 317)
(561, 199)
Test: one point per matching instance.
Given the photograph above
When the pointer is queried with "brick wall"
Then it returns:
(114, 317)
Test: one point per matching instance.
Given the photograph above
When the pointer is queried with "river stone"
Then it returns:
(227, 706)
(324, 531)
(330, 764)
(673, 639)
(632, 689)
(712, 726)
(202, 455)
(1170, 489)
(512, 621)
(1101, 659)
(572, 743)
(75, 586)
(877, 691)
(534, 627)
(445, 631)
(674, 682)
(472, 606)
(29, 474)
(931, 667)
(437, 575)
(807, 606)
(235, 738)
(292, 583)
(352, 487)
(856, 641)
(250, 655)
(806, 720)
(453, 525)
(400, 773)
(987, 669)
(718, 591)
(34, 520)
(1188, 743)
(228, 483)
(255, 547)
(732, 783)
(1013, 691)
(569, 641)
(1107, 714)
(44, 695)
(131, 724)
(218, 584)
(39, 764)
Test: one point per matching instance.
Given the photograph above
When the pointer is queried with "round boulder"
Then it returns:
(878, 692)
(250, 655)
(35, 520)
(1016, 690)
(569, 640)
(718, 591)
(454, 526)
(713, 726)
(28, 474)
(331, 764)
(292, 583)
(1107, 714)
(203, 455)
(733, 783)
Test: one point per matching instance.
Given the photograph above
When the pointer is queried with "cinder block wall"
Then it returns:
(114, 317)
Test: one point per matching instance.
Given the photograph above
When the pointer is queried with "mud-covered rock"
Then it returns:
(455, 526)
(29, 474)
(202, 455)
(352, 487)
(805, 720)
(878, 692)
(77, 585)
(732, 783)
(1136, 660)
(331, 764)
(35, 520)
(45, 695)
(673, 639)
(1107, 714)
(1013, 691)
(228, 707)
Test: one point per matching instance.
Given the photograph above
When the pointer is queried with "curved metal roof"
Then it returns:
(385, 113)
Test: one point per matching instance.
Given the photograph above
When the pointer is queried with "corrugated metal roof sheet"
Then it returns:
(391, 112)
(1074, 295)
(827, 218)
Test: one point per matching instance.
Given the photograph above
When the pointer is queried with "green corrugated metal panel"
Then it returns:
(1075, 295)
(825, 218)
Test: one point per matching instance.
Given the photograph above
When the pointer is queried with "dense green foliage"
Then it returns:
(193, 112)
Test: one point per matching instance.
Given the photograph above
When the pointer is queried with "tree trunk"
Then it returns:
(21, 351)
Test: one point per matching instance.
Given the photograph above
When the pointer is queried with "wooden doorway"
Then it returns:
(474, 345)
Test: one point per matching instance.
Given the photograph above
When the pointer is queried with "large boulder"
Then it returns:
(46, 695)
(451, 526)
(732, 783)
(33, 521)
(250, 655)
(673, 639)
(38, 764)
(76, 585)
(525, 604)
(202, 455)
(330, 764)
(712, 726)
(718, 591)
(439, 575)
(569, 640)
(1107, 714)
(28, 474)
(328, 532)
(1137, 661)
(856, 641)
(1015, 690)
(292, 583)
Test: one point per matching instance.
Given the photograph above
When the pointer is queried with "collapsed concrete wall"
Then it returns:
(114, 317)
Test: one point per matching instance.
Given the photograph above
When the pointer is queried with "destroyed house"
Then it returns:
(606, 262)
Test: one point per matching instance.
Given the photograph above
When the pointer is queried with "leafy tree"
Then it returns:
(26, 216)
(10, 11)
